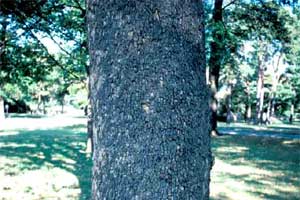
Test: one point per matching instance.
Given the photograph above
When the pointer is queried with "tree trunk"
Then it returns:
(248, 113)
(149, 100)
(4, 24)
(215, 61)
(271, 104)
(275, 80)
(248, 104)
(62, 105)
(2, 112)
(260, 97)
(44, 106)
(292, 113)
(260, 90)
(268, 117)
(228, 105)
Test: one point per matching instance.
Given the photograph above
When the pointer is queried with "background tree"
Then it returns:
(217, 47)
(263, 23)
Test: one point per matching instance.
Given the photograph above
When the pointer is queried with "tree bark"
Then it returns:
(215, 61)
(150, 100)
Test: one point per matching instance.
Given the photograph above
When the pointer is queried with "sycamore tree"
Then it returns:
(261, 25)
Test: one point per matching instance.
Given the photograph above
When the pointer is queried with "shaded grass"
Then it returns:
(56, 154)
(281, 130)
(17, 115)
(255, 168)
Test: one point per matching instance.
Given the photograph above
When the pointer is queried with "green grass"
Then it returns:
(255, 168)
(52, 164)
(44, 164)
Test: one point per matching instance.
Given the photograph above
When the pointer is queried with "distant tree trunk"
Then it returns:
(271, 105)
(44, 105)
(268, 119)
(273, 102)
(291, 119)
(228, 105)
(260, 87)
(215, 61)
(4, 24)
(62, 106)
(249, 112)
(150, 100)
(260, 96)
(2, 112)
(275, 81)
(248, 103)
(39, 103)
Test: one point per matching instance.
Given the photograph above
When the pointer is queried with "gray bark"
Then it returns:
(149, 98)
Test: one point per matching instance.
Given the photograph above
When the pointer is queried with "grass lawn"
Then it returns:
(51, 164)
(254, 168)
(44, 164)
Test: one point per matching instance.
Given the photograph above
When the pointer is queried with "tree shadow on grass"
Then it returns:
(33, 116)
(265, 168)
(55, 148)
(281, 131)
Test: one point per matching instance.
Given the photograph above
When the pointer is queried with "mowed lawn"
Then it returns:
(45, 159)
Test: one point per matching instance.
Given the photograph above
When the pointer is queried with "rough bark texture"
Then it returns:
(215, 61)
(149, 100)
